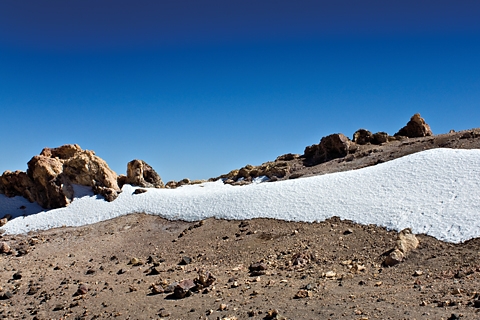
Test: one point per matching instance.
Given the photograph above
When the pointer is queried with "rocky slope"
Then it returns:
(144, 267)
(50, 175)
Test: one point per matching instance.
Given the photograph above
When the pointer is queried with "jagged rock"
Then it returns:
(330, 147)
(182, 182)
(171, 184)
(380, 137)
(17, 184)
(406, 242)
(394, 258)
(182, 289)
(415, 128)
(139, 191)
(362, 136)
(50, 176)
(204, 279)
(52, 189)
(287, 157)
(121, 180)
(139, 173)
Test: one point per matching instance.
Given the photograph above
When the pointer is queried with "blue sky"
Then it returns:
(197, 88)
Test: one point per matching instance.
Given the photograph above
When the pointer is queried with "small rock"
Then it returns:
(17, 276)
(330, 274)
(456, 291)
(417, 273)
(4, 248)
(454, 317)
(258, 269)
(156, 289)
(139, 191)
(182, 289)
(310, 286)
(348, 231)
(3, 222)
(122, 271)
(82, 289)
(163, 313)
(223, 307)
(185, 260)
(136, 262)
(476, 303)
(205, 279)
(302, 294)
(7, 295)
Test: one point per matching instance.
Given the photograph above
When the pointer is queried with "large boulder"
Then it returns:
(330, 147)
(415, 128)
(52, 188)
(362, 136)
(50, 177)
(139, 173)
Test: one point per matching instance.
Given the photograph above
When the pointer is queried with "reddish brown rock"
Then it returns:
(139, 173)
(330, 147)
(362, 136)
(182, 289)
(50, 177)
(415, 128)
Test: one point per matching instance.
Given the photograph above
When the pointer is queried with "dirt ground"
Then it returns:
(134, 267)
(326, 270)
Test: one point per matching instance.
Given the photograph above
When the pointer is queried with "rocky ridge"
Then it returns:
(51, 175)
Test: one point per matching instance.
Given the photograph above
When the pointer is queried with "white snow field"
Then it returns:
(436, 192)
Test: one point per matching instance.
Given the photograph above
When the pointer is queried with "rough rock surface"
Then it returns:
(406, 242)
(415, 128)
(363, 137)
(334, 146)
(139, 173)
(86, 272)
(50, 176)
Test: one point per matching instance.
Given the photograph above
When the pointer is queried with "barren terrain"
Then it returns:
(126, 268)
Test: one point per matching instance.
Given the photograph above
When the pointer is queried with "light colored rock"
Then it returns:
(4, 247)
(394, 258)
(50, 176)
(406, 242)
(139, 173)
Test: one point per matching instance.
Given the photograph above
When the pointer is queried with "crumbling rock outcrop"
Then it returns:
(330, 147)
(362, 137)
(139, 173)
(415, 128)
(272, 170)
(50, 177)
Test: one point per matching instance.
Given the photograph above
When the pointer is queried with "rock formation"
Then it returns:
(415, 128)
(50, 177)
(363, 137)
(330, 147)
(406, 242)
(139, 173)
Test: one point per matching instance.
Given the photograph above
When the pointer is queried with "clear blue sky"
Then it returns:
(197, 88)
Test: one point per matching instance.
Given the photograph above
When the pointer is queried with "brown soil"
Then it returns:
(327, 270)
